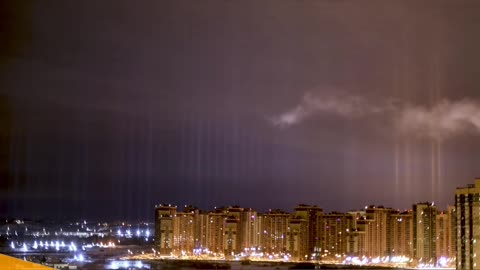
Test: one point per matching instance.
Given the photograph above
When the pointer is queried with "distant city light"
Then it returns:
(72, 245)
(79, 258)
(114, 265)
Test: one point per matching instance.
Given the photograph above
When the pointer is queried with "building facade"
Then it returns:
(215, 243)
(333, 234)
(356, 234)
(312, 215)
(467, 210)
(297, 238)
(377, 231)
(445, 234)
(452, 245)
(185, 239)
(424, 233)
(165, 228)
(402, 234)
(274, 229)
(250, 227)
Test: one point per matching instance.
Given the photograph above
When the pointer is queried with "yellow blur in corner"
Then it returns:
(9, 263)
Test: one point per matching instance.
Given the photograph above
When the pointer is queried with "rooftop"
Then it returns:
(9, 263)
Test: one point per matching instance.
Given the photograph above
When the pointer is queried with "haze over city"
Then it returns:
(109, 108)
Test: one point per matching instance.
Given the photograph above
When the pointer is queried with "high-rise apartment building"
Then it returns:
(297, 238)
(334, 228)
(356, 233)
(250, 227)
(445, 234)
(377, 231)
(215, 242)
(231, 236)
(312, 215)
(424, 233)
(274, 228)
(185, 239)
(402, 234)
(201, 230)
(467, 210)
(452, 245)
(165, 228)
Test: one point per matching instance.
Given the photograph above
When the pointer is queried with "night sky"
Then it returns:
(109, 107)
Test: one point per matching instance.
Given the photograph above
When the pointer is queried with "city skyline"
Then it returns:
(422, 235)
(108, 108)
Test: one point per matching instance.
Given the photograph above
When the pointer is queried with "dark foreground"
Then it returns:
(186, 264)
